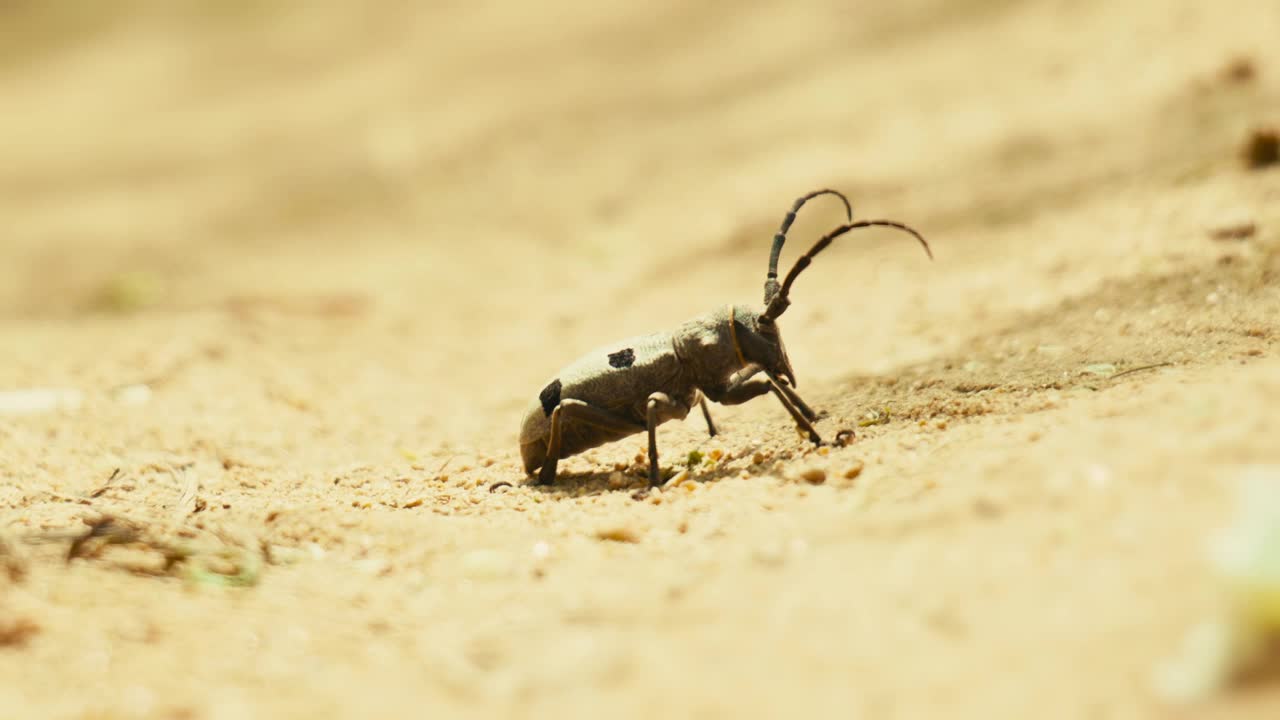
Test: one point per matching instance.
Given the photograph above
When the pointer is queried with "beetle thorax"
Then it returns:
(708, 346)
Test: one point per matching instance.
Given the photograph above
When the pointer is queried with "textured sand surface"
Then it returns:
(343, 247)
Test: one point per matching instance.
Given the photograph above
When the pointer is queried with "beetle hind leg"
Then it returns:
(570, 410)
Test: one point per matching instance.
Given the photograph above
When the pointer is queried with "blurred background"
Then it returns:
(239, 145)
(538, 180)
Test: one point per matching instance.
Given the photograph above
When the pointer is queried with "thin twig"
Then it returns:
(115, 474)
(1131, 371)
(187, 500)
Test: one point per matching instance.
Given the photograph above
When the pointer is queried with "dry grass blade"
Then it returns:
(228, 564)
(186, 504)
(1142, 368)
(106, 485)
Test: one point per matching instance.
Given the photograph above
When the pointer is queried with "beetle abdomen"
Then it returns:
(616, 379)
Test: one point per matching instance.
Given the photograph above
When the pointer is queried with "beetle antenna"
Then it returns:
(780, 239)
(779, 303)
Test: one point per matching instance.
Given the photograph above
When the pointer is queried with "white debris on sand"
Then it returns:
(39, 400)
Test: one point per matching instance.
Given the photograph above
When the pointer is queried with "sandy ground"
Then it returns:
(343, 249)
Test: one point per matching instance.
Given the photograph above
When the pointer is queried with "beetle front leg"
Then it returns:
(744, 390)
(794, 397)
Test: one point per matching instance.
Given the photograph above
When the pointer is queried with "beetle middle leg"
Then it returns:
(706, 415)
(577, 411)
(657, 403)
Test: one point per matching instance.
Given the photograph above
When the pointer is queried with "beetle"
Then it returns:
(635, 385)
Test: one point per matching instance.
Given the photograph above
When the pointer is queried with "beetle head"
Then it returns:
(759, 343)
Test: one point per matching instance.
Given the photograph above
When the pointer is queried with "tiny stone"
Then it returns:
(814, 476)
(758, 458)
(854, 470)
(986, 507)
(485, 564)
(1262, 148)
(772, 554)
(677, 479)
(133, 395)
(617, 479)
(618, 534)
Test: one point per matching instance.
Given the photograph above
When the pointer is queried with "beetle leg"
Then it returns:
(706, 414)
(740, 392)
(794, 397)
(780, 391)
(657, 402)
(570, 410)
(547, 475)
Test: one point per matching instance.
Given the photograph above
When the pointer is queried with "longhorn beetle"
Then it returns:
(635, 385)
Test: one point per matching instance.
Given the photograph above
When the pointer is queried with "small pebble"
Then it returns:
(1261, 148)
(617, 479)
(986, 507)
(618, 533)
(814, 475)
(758, 458)
(854, 470)
(134, 395)
(486, 564)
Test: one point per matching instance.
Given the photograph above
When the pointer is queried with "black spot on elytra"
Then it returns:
(550, 397)
(624, 358)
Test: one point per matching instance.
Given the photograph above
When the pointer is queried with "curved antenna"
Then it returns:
(780, 238)
(778, 304)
